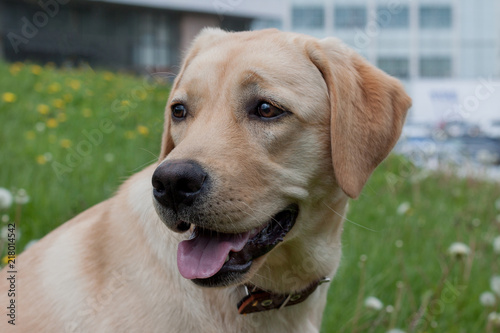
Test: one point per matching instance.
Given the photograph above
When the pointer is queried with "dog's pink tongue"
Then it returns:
(204, 255)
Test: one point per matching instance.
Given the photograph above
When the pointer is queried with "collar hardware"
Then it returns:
(258, 300)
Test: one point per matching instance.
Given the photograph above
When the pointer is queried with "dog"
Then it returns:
(237, 228)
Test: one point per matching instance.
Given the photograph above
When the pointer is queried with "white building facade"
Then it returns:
(410, 39)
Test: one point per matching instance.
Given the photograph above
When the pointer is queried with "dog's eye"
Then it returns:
(268, 111)
(179, 111)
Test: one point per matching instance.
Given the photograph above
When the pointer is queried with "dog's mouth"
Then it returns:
(211, 258)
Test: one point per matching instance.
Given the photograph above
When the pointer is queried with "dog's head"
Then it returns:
(265, 132)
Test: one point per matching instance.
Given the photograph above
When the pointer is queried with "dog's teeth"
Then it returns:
(227, 259)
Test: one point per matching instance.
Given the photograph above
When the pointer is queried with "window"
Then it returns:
(259, 24)
(308, 17)
(154, 38)
(433, 67)
(398, 67)
(348, 17)
(437, 17)
(393, 20)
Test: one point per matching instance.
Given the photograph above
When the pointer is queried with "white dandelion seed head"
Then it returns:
(40, 127)
(109, 157)
(395, 330)
(494, 319)
(487, 299)
(30, 244)
(47, 156)
(399, 243)
(476, 222)
(495, 284)
(22, 197)
(496, 245)
(4, 232)
(403, 208)
(5, 198)
(389, 309)
(363, 258)
(5, 218)
(373, 303)
(458, 250)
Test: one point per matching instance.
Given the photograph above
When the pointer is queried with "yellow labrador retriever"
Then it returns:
(267, 135)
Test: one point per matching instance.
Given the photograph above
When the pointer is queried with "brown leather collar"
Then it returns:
(258, 300)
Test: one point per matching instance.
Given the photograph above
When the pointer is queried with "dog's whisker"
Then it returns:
(163, 75)
(156, 156)
(348, 220)
(251, 214)
(263, 277)
(140, 167)
(262, 212)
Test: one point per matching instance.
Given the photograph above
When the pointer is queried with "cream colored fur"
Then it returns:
(113, 267)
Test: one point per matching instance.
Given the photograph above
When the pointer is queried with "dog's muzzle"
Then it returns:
(210, 257)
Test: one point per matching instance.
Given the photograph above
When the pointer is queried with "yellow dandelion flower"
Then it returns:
(41, 159)
(125, 102)
(65, 143)
(58, 103)
(143, 130)
(15, 68)
(68, 98)
(54, 87)
(38, 87)
(75, 84)
(43, 109)
(5, 260)
(30, 135)
(35, 69)
(108, 76)
(52, 123)
(87, 113)
(141, 94)
(130, 134)
(9, 97)
(61, 117)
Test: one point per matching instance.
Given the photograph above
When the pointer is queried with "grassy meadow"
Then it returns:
(70, 137)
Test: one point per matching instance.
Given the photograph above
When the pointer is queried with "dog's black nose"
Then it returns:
(178, 182)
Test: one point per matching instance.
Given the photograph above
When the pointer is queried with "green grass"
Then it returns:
(406, 266)
(76, 100)
(410, 251)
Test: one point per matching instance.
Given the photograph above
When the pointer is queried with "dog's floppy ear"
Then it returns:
(204, 39)
(368, 109)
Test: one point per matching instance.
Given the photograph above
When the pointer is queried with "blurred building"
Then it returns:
(410, 39)
(130, 34)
